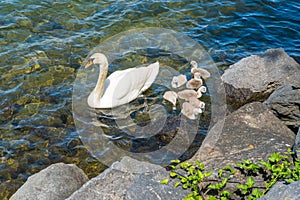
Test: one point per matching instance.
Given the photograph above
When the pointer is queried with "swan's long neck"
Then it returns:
(99, 89)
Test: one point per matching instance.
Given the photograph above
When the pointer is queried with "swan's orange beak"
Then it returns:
(89, 63)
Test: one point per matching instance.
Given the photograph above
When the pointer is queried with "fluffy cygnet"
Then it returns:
(203, 72)
(187, 94)
(190, 111)
(197, 103)
(178, 81)
(195, 82)
(171, 96)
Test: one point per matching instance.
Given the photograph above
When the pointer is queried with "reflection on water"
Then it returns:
(42, 45)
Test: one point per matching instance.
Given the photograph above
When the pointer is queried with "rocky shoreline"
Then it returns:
(263, 94)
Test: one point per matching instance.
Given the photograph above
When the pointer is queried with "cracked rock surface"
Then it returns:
(254, 78)
(285, 103)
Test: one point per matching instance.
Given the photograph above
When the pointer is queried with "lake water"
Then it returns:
(43, 44)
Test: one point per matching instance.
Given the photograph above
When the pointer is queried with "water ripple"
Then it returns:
(43, 43)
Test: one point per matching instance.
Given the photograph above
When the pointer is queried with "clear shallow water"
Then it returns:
(42, 45)
(133, 133)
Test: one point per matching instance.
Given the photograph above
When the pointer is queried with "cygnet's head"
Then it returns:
(98, 59)
(197, 103)
(194, 64)
(202, 89)
(202, 105)
(197, 111)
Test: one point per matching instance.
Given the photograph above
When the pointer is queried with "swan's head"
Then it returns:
(98, 59)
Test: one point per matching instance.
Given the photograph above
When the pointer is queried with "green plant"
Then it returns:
(205, 185)
(191, 176)
(279, 168)
(248, 167)
(247, 186)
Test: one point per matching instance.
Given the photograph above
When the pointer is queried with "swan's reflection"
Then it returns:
(142, 118)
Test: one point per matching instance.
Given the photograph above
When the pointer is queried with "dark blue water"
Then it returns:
(43, 43)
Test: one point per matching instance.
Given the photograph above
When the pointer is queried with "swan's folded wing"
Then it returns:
(124, 86)
(151, 75)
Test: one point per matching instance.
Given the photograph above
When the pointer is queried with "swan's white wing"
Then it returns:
(151, 75)
(124, 86)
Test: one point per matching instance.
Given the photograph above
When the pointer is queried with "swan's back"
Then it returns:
(123, 86)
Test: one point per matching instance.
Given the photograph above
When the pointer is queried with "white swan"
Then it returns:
(121, 86)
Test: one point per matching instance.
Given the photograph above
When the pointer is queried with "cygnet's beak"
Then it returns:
(89, 63)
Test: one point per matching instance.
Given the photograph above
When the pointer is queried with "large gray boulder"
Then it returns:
(281, 191)
(58, 181)
(285, 103)
(252, 132)
(121, 182)
(254, 78)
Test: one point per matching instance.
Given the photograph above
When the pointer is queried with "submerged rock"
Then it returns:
(254, 78)
(58, 181)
